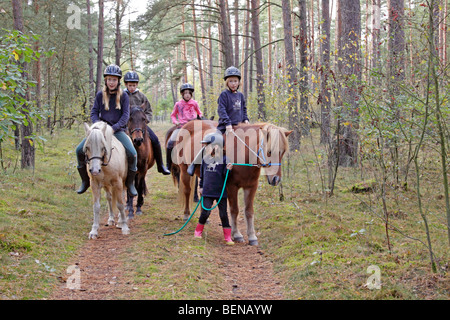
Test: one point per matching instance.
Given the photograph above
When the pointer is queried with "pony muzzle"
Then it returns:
(274, 180)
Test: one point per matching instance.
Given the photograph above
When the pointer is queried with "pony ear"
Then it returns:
(86, 129)
(287, 133)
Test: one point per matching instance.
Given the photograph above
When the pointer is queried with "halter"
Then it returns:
(264, 164)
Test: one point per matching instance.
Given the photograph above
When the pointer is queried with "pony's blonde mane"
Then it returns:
(105, 138)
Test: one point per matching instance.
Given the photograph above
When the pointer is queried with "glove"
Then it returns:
(229, 129)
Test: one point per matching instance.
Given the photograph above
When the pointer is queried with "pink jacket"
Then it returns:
(185, 111)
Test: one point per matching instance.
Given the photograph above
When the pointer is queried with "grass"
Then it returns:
(321, 247)
(41, 220)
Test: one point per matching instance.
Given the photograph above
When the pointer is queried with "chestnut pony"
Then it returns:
(137, 128)
(250, 147)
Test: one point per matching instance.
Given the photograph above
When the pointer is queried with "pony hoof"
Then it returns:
(253, 242)
(125, 231)
(238, 239)
(93, 236)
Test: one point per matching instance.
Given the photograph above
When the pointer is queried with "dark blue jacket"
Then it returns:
(231, 108)
(212, 177)
(117, 119)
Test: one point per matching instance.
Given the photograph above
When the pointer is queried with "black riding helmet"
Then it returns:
(232, 72)
(186, 86)
(131, 76)
(113, 70)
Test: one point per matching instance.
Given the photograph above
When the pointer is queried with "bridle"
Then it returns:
(261, 157)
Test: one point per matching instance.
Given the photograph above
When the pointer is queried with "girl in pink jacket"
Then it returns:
(184, 111)
(187, 108)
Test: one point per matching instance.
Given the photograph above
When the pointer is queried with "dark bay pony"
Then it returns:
(260, 145)
(137, 129)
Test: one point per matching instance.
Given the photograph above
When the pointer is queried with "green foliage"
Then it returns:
(15, 109)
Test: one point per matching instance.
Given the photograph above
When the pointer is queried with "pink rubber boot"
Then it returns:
(198, 231)
(227, 236)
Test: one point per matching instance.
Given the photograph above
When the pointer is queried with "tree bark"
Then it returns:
(349, 52)
(292, 76)
(100, 46)
(325, 97)
(227, 43)
(246, 75)
(199, 58)
(91, 60)
(259, 61)
(27, 145)
(303, 82)
(118, 40)
(236, 33)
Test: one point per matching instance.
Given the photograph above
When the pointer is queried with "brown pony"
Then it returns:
(257, 146)
(179, 168)
(137, 128)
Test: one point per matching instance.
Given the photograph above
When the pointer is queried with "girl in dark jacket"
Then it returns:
(213, 172)
(112, 106)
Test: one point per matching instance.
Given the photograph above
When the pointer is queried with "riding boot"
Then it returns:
(159, 162)
(227, 236)
(130, 183)
(197, 160)
(85, 181)
(169, 158)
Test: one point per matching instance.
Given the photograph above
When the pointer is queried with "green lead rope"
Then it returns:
(218, 201)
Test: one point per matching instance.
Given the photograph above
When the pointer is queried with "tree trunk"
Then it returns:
(269, 49)
(349, 52)
(37, 66)
(227, 43)
(292, 76)
(246, 74)
(259, 61)
(303, 82)
(118, 40)
(91, 60)
(199, 58)
(325, 97)
(236, 33)
(27, 146)
(100, 46)
(376, 13)
(396, 42)
(49, 74)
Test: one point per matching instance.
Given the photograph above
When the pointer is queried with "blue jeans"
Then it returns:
(127, 144)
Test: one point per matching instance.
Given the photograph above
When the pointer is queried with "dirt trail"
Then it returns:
(102, 271)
